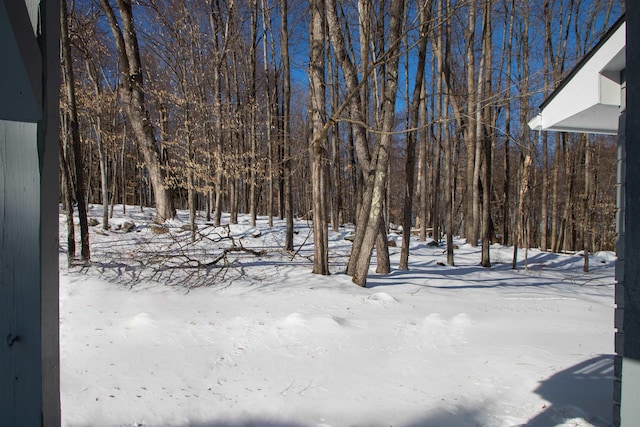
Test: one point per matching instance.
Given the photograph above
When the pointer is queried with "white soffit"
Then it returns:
(590, 98)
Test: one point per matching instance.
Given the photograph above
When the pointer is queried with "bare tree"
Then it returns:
(410, 161)
(383, 147)
(286, 123)
(318, 143)
(485, 124)
(133, 96)
(74, 131)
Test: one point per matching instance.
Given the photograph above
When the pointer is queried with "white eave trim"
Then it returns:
(591, 97)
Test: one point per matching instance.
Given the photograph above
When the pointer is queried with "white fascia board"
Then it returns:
(599, 119)
(536, 123)
(590, 88)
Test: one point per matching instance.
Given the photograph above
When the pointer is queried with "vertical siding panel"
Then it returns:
(48, 143)
(619, 270)
(630, 409)
(20, 274)
(29, 319)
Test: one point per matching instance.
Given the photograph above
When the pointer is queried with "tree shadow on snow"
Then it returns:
(460, 417)
(582, 391)
(457, 278)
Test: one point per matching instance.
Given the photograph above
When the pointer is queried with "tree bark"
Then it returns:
(318, 143)
(102, 151)
(586, 238)
(356, 101)
(133, 96)
(286, 130)
(484, 88)
(471, 198)
(67, 199)
(521, 218)
(74, 128)
(372, 227)
(253, 105)
(410, 160)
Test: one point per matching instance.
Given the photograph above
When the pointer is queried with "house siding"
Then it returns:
(29, 292)
(619, 272)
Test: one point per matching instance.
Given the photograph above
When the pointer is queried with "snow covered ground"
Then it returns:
(270, 344)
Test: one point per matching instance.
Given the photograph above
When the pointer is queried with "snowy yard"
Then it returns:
(270, 344)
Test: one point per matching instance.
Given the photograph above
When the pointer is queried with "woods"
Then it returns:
(370, 113)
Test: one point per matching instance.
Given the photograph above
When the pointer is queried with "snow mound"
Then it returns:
(571, 416)
(316, 323)
(122, 224)
(605, 257)
(381, 298)
(442, 333)
(139, 321)
(433, 321)
(293, 320)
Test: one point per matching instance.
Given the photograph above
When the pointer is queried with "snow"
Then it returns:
(271, 344)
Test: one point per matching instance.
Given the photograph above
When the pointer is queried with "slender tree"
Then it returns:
(133, 95)
(485, 126)
(318, 142)
(412, 136)
(286, 123)
(73, 128)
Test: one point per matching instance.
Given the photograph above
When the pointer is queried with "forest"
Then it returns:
(395, 114)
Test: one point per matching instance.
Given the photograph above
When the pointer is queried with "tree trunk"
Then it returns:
(253, 105)
(586, 239)
(471, 217)
(372, 228)
(318, 148)
(506, 196)
(133, 96)
(423, 172)
(356, 101)
(270, 110)
(521, 220)
(74, 129)
(218, 162)
(67, 200)
(441, 49)
(410, 161)
(286, 130)
(102, 151)
(336, 205)
(555, 195)
(483, 133)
